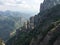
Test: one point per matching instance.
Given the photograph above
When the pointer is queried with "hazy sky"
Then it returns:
(20, 5)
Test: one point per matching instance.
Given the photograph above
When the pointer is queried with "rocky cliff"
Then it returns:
(49, 28)
(47, 33)
(47, 4)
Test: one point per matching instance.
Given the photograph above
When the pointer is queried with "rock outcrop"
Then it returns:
(49, 28)
(47, 4)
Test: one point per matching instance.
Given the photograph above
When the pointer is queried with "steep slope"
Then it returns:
(9, 22)
(47, 33)
(6, 27)
(47, 4)
(46, 26)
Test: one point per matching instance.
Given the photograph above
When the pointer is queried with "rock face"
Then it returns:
(57, 42)
(35, 20)
(51, 38)
(47, 4)
(49, 28)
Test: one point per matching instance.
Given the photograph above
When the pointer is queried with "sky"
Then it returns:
(20, 5)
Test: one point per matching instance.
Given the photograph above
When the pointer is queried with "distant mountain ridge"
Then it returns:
(47, 33)
(10, 21)
(14, 14)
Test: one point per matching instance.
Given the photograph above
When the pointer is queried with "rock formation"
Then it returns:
(47, 4)
(47, 30)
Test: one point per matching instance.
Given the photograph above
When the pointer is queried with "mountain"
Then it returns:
(10, 21)
(47, 4)
(46, 33)
(15, 14)
(47, 30)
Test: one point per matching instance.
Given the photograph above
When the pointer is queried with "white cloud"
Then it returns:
(23, 5)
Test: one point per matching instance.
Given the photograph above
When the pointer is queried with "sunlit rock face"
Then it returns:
(47, 4)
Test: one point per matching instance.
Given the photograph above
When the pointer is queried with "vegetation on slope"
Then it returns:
(49, 24)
